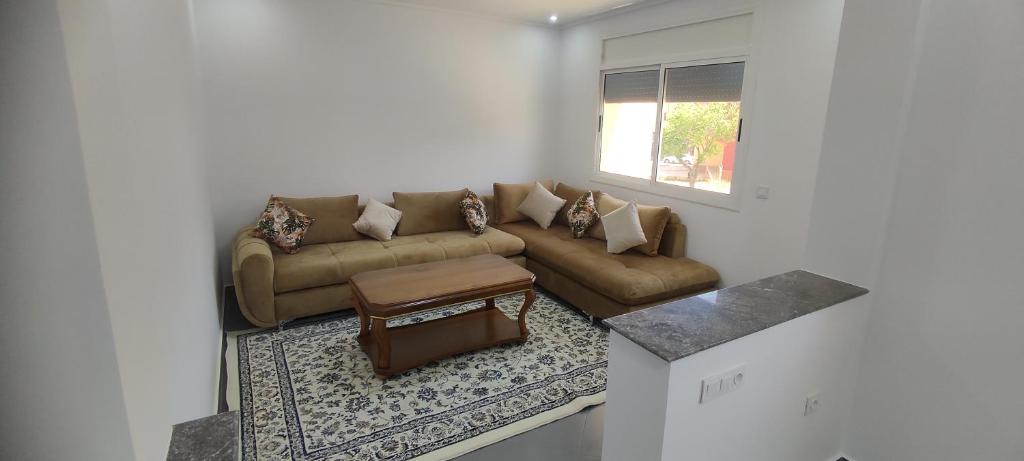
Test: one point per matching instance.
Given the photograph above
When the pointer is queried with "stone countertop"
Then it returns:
(213, 438)
(684, 327)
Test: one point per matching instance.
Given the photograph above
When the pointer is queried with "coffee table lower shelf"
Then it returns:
(420, 343)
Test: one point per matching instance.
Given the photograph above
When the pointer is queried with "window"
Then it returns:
(673, 126)
(671, 112)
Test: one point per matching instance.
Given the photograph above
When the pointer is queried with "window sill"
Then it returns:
(728, 202)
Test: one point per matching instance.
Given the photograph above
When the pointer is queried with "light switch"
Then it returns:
(762, 192)
(715, 386)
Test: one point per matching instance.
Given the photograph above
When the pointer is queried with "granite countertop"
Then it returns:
(213, 438)
(687, 326)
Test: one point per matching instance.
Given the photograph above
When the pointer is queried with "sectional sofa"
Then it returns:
(273, 286)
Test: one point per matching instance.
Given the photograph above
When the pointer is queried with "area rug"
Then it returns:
(309, 392)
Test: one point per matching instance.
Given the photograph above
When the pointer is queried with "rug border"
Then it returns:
(511, 430)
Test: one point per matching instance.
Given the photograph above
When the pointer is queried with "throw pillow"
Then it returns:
(378, 221)
(334, 217)
(652, 218)
(424, 212)
(541, 205)
(570, 194)
(475, 212)
(507, 198)
(622, 229)
(582, 214)
(283, 226)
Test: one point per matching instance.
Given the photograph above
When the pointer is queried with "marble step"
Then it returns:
(213, 438)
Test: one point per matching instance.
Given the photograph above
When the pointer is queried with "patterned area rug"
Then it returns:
(309, 393)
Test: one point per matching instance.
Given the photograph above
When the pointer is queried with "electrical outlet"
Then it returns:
(811, 404)
(763, 192)
(715, 386)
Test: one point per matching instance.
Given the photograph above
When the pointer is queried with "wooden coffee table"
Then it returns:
(389, 293)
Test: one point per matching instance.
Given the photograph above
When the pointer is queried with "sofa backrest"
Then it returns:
(673, 240)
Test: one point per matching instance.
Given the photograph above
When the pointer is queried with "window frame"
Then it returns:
(730, 201)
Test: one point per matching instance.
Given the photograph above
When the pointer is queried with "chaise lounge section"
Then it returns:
(582, 272)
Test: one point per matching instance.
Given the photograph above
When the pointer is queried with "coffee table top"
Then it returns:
(401, 290)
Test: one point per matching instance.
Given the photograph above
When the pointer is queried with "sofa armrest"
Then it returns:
(673, 240)
(252, 267)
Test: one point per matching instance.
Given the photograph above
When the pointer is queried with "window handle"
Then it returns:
(739, 131)
(600, 122)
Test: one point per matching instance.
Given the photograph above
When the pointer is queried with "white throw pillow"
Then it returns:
(622, 229)
(378, 221)
(541, 205)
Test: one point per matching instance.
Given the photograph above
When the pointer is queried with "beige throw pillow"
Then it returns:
(378, 221)
(622, 229)
(652, 218)
(507, 198)
(541, 205)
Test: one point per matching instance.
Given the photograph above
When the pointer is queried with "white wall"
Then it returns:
(942, 374)
(131, 69)
(856, 176)
(793, 54)
(863, 134)
(60, 389)
(311, 98)
(637, 393)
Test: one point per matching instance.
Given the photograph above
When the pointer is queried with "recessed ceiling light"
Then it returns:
(553, 18)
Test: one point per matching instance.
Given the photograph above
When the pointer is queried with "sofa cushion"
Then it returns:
(507, 198)
(652, 219)
(378, 221)
(571, 195)
(334, 263)
(314, 266)
(474, 211)
(334, 217)
(622, 229)
(424, 212)
(541, 205)
(629, 278)
(582, 214)
(282, 225)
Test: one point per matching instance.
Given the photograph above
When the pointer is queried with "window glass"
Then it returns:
(628, 123)
(700, 126)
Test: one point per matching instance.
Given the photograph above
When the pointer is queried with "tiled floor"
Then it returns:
(575, 438)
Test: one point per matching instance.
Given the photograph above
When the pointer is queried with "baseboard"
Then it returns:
(222, 375)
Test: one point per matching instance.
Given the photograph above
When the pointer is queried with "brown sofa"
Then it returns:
(273, 286)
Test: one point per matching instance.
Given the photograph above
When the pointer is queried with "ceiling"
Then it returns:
(533, 11)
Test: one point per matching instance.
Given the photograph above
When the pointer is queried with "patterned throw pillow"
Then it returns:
(283, 225)
(475, 212)
(582, 214)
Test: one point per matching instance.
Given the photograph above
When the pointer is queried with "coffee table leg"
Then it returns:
(489, 303)
(523, 332)
(380, 334)
(364, 320)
